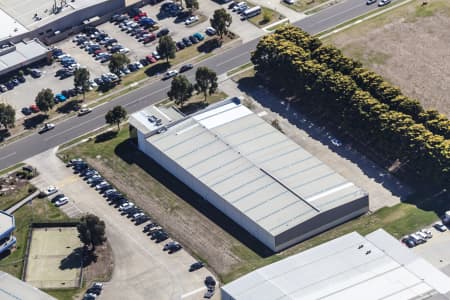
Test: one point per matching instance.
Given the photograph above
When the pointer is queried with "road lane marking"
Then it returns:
(9, 155)
(72, 128)
(231, 59)
(192, 292)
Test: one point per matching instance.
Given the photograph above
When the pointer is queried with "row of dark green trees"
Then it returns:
(360, 101)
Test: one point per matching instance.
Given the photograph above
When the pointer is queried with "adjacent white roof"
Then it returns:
(12, 288)
(9, 26)
(24, 52)
(257, 169)
(6, 222)
(349, 267)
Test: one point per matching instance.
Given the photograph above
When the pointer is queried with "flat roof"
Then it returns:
(6, 222)
(25, 51)
(166, 115)
(12, 288)
(9, 26)
(23, 11)
(349, 267)
(254, 167)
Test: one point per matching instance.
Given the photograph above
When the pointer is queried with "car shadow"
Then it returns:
(316, 129)
(129, 153)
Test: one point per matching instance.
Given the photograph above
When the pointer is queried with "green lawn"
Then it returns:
(12, 168)
(10, 199)
(41, 210)
(259, 19)
(240, 68)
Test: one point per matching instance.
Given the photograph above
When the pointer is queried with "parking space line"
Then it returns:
(193, 292)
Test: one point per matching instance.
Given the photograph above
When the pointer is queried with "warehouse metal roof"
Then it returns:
(6, 222)
(349, 267)
(12, 288)
(23, 53)
(253, 166)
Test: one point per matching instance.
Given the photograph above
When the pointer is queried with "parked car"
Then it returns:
(427, 233)
(193, 39)
(34, 108)
(96, 288)
(440, 227)
(199, 36)
(186, 41)
(409, 242)
(186, 67)
(172, 247)
(73, 161)
(26, 111)
(210, 31)
(58, 197)
(62, 201)
(50, 190)
(101, 185)
(170, 74)
(126, 206)
(180, 45)
(194, 19)
(209, 281)
(109, 192)
(417, 239)
(46, 127)
(141, 220)
(162, 32)
(368, 2)
(195, 266)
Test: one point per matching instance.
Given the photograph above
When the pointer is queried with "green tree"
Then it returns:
(91, 231)
(45, 100)
(206, 81)
(192, 5)
(81, 80)
(166, 47)
(220, 21)
(180, 90)
(115, 116)
(7, 115)
(117, 62)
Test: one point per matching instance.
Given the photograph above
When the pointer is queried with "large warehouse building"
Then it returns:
(254, 174)
(350, 267)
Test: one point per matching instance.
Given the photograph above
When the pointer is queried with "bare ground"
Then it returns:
(409, 46)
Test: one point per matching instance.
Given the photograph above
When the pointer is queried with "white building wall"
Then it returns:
(205, 192)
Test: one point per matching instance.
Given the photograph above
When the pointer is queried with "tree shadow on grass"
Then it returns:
(157, 69)
(106, 136)
(34, 121)
(128, 152)
(191, 108)
(69, 106)
(209, 45)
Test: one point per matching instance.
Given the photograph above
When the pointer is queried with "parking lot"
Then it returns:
(141, 266)
(435, 250)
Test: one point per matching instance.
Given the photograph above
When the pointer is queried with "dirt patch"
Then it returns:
(100, 266)
(190, 220)
(409, 47)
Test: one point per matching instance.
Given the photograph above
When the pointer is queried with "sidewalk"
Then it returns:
(21, 203)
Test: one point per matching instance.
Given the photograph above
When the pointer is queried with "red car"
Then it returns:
(34, 108)
(150, 59)
(136, 18)
(149, 39)
(142, 14)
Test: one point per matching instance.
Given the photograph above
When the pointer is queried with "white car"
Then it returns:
(289, 1)
(156, 55)
(384, 2)
(50, 190)
(210, 31)
(427, 233)
(191, 20)
(170, 74)
(126, 206)
(124, 50)
(61, 201)
(47, 127)
(101, 184)
(84, 110)
(138, 65)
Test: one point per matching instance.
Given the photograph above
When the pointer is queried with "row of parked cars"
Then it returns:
(422, 235)
(11, 83)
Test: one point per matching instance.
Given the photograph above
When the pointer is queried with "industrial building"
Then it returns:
(253, 173)
(7, 226)
(53, 20)
(22, 54)
(350, 267)
(12, 288)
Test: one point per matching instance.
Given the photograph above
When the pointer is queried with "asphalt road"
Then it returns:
(149, 94)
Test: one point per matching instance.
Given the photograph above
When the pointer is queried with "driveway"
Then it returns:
(383, 189)
(141, 268)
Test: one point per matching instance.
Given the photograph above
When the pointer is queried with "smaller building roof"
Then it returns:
(350, 267)
(6, 222)
(12, 288)
(24, 53)
(153, 117)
